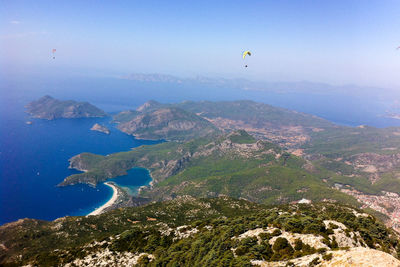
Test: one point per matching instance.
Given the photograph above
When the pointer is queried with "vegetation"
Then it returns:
(242, 137)
(343, 141)
(186, 231)
(232, 165)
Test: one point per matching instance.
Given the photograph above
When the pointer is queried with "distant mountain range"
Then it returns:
(279, 87)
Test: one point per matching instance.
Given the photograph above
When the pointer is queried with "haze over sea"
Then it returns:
(34, 158)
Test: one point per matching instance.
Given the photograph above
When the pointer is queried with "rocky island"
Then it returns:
(100, 128)
(50, 108)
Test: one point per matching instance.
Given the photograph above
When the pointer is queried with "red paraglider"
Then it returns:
(54, 51)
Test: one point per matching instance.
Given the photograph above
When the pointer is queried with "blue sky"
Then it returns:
(337, 42)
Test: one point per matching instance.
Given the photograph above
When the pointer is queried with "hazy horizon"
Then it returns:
(336, 42)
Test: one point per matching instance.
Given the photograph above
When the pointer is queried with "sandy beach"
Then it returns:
(108, 203)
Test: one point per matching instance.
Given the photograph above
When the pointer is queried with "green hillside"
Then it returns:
(234, 165)
(188, 231)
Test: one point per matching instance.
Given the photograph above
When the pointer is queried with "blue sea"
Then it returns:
(34, 158)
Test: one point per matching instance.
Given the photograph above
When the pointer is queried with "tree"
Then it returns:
(298, 244)
(143, 260)
(283, 247)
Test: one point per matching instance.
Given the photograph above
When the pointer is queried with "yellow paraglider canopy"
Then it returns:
(245, 53)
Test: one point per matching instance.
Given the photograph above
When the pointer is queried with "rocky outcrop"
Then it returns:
(106, 257)
(353, 253)
(172, 167)
(353, 257)
(148, 105)
(100, 128)
(50, 109)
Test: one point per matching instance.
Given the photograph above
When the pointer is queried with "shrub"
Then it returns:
(276, 257)
(282, 247)
(307, 249)
(249, 242)
(314, 228)
(293, 225)
(327, 257)
(297, 254)
(333, 226)
(276, 232)
(298, 244)
(334, 244)
(241, 250)
(314, 262)
(264, 236)
(143, 260)
(280, 243)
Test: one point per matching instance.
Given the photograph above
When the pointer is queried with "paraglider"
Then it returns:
(54, 53)
(246, 53)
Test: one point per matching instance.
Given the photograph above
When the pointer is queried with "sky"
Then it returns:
(336, 42)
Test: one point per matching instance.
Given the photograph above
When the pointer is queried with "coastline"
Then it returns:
(109, 203)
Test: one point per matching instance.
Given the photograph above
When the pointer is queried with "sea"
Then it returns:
(34, 158)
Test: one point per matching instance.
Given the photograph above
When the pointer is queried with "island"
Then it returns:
(50, 108)
(100, 128)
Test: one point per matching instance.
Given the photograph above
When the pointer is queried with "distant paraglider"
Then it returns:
(54, 53)
(246, 53)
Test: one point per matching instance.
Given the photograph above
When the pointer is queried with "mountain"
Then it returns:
(278, 125)
(154, 77)
(170, 123)
(50, 109)
(296, 87)
(204, 232)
